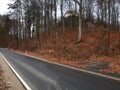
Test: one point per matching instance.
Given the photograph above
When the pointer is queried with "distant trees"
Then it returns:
(5, 24)
(39, 17)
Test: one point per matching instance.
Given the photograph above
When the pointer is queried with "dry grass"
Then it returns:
(3, 85)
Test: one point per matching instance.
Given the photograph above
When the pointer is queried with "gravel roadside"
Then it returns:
(9, 77)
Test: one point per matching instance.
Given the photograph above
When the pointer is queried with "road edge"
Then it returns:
(27, 87)
(74, 68)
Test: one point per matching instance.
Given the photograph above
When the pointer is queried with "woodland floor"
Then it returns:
(91, 54)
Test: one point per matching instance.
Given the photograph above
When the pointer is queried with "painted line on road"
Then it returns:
(74, 68)
(15, 72)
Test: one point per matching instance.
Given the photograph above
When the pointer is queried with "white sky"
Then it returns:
(4, 6)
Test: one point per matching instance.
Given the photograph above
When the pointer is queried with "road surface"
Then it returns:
(40, 75)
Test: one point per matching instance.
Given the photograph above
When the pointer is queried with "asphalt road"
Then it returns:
(40, 75)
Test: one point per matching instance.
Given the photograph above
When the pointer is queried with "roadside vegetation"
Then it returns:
(3, 85)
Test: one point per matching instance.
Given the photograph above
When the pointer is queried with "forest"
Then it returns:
(65, 31)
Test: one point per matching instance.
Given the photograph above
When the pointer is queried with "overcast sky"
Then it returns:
(4, 6)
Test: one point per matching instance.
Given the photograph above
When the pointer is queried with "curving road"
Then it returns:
(40, 75)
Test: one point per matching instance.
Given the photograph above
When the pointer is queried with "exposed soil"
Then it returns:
(8, 81)
(3, 85)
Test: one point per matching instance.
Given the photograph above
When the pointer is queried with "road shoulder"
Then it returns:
(10, 77)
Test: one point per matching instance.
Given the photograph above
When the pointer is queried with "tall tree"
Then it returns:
(62, 18)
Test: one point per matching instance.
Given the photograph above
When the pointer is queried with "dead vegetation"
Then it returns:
(3, 85)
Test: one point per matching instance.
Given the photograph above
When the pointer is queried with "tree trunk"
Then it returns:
(38, 28)
(80, 30)
(80, 23)
(55, 15)
(108, 42)
(62, 19)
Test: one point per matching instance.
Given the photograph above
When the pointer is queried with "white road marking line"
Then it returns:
(81, 70)
(19, 77)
